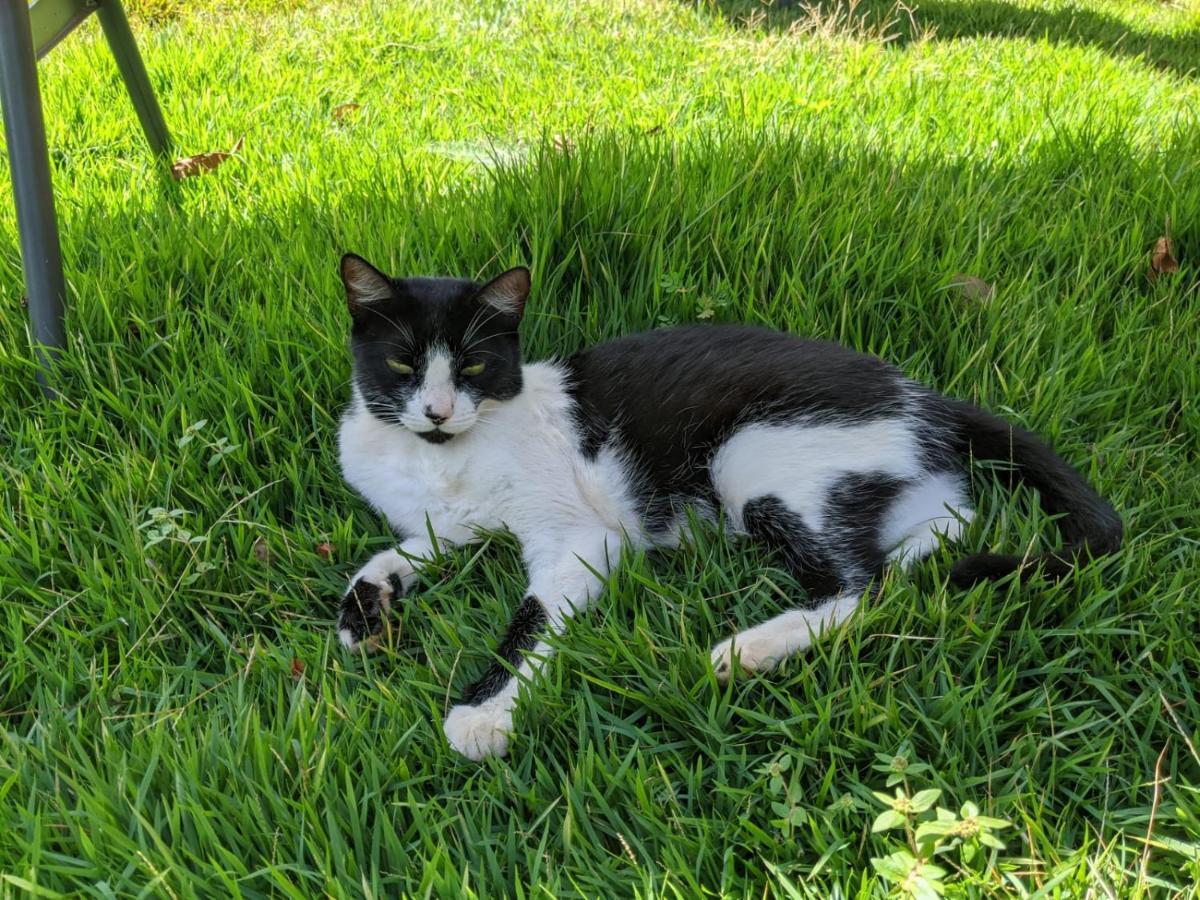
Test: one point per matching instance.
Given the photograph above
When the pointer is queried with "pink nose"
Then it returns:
(438, 403)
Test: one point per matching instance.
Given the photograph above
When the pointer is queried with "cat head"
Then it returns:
(431, 354)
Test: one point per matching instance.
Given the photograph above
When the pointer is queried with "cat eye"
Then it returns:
(473, 370)
(398, 367)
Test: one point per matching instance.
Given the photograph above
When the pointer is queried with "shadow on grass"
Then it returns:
(947, 19)
(262, 287)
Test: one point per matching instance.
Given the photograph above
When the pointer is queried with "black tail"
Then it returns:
(1089, 524)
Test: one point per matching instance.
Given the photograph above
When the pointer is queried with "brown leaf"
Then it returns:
(973, 288)
(261, 551)
(190, 166)
(563, 144)
(1162, 258)
(297, 667)
(325, 550)
(343, 111)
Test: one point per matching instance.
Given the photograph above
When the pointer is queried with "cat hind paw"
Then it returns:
(743, 655)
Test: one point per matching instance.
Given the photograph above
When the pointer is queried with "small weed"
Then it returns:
(219, 448)
(942, 851)
(163, 524)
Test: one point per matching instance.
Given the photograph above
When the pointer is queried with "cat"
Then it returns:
(830, 457)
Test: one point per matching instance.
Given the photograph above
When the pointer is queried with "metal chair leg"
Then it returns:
(29, 160)
(133, 73)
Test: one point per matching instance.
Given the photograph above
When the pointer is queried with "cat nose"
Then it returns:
(434, 417)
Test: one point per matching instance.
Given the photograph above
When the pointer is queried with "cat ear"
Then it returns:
(507, 293)
(366, 286)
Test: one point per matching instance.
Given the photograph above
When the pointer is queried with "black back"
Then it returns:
(668, 398)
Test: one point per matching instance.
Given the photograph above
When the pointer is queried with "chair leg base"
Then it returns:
(133, 73)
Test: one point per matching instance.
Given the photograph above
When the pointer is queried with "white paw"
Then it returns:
(767, 645)
(479, 731)
(749, 653)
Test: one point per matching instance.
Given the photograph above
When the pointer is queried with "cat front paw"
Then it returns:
(360, 619)
(479, 731)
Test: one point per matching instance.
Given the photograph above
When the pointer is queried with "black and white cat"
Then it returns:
(830, 457)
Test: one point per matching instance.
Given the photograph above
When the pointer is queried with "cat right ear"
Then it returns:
(366, 287)
(508, 292)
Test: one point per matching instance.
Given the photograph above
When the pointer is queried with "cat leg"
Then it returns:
(835, 566)
(563, 577)
(369, 597)
(767, 645)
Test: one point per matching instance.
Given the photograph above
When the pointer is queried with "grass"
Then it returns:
(176, 718)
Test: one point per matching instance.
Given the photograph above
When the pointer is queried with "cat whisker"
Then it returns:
(476, 322)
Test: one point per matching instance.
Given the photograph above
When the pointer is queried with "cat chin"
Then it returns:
(435, 437)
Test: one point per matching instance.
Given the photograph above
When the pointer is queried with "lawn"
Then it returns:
(973, 191)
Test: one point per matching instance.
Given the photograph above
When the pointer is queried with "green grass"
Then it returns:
(178, 720)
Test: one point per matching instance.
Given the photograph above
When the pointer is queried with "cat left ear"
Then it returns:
(507, 293)
(365, 285)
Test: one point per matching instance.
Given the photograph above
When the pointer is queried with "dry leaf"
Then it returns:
(1162, 258)
(973, 288)
(190, 166)
(297, 667)
(261, 551)
(325, 550)
(563, 144)
(345, 110)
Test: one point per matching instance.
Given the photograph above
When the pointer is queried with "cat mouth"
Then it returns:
(436, 436)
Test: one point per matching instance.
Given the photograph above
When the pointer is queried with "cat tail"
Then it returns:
(1089, 525)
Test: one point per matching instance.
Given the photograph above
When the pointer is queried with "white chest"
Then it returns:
(414, 484)
(520, 469)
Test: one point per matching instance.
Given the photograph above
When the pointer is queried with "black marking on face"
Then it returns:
(411, 320)
(522, 635)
